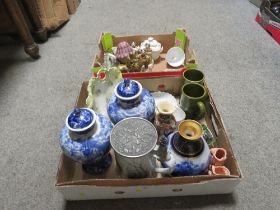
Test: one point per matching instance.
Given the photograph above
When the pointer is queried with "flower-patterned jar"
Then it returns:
(130, 100)
(85, 138)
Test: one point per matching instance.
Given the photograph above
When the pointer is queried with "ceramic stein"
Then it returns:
(193, 100)
(130, 100)
(154, 45)
(134, 143)
(188, 149)
(85, 138)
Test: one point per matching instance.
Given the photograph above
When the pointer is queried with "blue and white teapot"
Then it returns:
(130, 100)
(85, 138)
(188, 150)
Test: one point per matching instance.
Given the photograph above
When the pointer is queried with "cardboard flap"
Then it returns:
(107, 42)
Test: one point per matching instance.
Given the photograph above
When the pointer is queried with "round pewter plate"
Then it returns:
(133, 137)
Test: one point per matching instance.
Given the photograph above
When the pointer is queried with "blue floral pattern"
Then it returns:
(189, 166)
(128, 88)
(146, 108)
(80, 118)
(91, 150)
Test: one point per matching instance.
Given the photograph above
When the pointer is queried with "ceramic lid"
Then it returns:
(80, 119)
(133, 137)
(154, 44)
(128, 88)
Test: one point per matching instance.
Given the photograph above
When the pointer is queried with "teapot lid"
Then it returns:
(152, 43)
(128, 89)
(80, 119)
(133, 137)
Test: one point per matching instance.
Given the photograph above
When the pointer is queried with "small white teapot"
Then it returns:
(155, 46)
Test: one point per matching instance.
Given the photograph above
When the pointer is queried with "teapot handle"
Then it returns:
(169, 169)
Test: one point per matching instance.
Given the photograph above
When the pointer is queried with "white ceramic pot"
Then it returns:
(155, 46)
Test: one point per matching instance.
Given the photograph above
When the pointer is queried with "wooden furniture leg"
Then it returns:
(30, 47)
(33, 10)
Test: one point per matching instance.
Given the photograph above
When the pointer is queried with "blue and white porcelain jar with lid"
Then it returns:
(130, 99)
(85, 138)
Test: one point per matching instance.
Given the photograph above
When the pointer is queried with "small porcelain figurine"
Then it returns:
(155, 46)
(142, 59)
(109, 60)
(165, 121)
(189, 149)
(163, 154)
(85, 138)
(130, 100)
(124, 50)
(132, 58)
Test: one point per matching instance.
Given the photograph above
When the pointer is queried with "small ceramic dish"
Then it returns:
(179, 115)
(175, 57)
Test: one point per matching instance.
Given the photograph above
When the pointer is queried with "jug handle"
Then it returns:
(169, 169)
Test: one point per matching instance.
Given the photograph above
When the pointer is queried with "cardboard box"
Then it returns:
(74, 184)
(167, 41)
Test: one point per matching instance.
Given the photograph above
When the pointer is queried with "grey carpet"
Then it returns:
(240, 60)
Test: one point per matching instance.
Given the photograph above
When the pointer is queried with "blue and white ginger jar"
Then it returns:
(130, 100)
(85, 138)
(188, 150)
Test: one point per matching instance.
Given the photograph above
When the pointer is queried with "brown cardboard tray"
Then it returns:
(71, 176)
(167, 41)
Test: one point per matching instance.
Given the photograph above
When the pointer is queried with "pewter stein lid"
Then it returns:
(133, 137)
